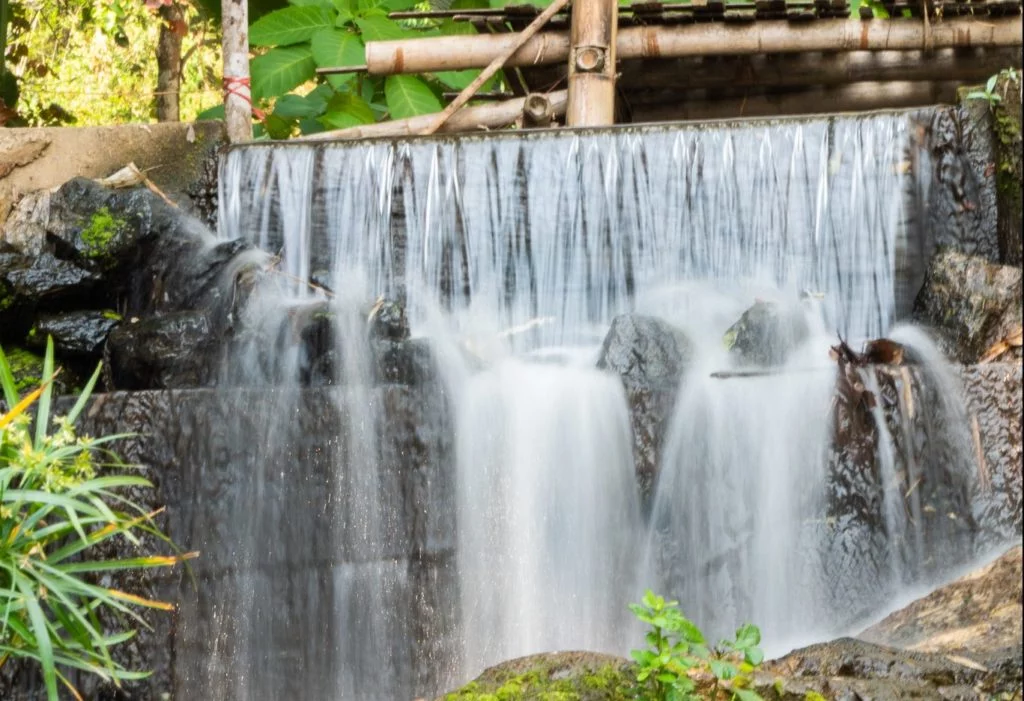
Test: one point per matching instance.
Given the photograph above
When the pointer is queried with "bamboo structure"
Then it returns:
(592, 63)
(495, 65)
(797, 70)
(464, 52)
(237, 91)
(856, 97)
(476, 118)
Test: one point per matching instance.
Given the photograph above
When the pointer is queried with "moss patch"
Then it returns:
(26, 367)
(563, 676)
(102, 229)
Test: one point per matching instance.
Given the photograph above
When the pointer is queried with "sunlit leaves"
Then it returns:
(280, 70)
(290, 25)
(408, 96)
(346, 110)
(675, 645)
(336, 47)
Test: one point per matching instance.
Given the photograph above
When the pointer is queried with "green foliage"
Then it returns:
(677, 651)
(87, 62)
(989, 93)
(293, 41)
(58, 502)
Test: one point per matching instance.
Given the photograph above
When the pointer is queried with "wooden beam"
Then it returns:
(464, 52)
(856, 97)
(817, 68)
(468, 119)
(592, 63)
(237, 92)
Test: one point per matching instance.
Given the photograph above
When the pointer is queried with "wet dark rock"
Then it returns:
(930, 486)
(645, 350)
(388, 321)
(993, 396)
(31, 280)
(960, 211)
(409, 362)
(650, 356)
(75, 333)
(169, 351)
(766, 333)
(970, 303)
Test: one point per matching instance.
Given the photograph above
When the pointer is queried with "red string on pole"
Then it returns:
(233, 85)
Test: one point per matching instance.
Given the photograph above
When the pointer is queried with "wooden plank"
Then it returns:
(717, 38)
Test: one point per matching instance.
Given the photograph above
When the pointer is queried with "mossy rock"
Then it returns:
(27, 369)
(555, 676)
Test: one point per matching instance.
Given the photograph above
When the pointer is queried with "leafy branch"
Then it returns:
(677, 652)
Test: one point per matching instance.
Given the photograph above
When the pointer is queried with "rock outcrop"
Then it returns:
(650, 356)
(972, 304)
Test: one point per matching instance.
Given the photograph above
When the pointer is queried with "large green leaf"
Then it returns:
(290, 25)
(279, 70)
(380, 28)
(312, 105)
(408, 96)
(346, 110)
(326, 4)
(337, 47)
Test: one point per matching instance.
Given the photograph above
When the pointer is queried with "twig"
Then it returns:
(495, 65)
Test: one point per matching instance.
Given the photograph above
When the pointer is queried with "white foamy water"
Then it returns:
(516, 251)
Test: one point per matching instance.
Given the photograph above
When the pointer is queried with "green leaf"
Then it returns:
(747, 635)
(753, 655)
(215, 112)
(408, 96)
(722, 669)
(333, 48)
(43, 407)
(308, 125)
(290, 25)
(279, 70)
(346, 110)
(325, 4)
(41, 635)
(380, 28)
(991, 84)
(746, 695)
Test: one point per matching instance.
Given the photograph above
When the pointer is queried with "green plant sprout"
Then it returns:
(677, 652)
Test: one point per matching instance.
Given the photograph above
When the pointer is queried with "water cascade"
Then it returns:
(511, 254)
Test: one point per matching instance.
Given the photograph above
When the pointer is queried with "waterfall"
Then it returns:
(512, 253)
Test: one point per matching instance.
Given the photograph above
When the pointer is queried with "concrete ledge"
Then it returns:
(173, 155)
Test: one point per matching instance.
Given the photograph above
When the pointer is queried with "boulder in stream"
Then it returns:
(972, 305)
(766, 333)
(650, 356)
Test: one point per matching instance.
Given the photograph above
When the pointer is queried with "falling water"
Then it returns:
(515, 252)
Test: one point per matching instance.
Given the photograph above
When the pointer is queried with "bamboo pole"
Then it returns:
(477, 118)
(672, 41)
(592, 63)
(793, 70)
(495, 65)
(856, 97)
(237, 92)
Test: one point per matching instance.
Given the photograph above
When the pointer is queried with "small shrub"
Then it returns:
(677, 652)
(58, 500)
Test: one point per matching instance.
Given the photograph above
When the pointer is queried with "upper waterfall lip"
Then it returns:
(638, 128)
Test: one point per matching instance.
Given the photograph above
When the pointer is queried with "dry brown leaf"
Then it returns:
(1013, 340)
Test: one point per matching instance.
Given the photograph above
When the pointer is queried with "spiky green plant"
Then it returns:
(61, 495)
